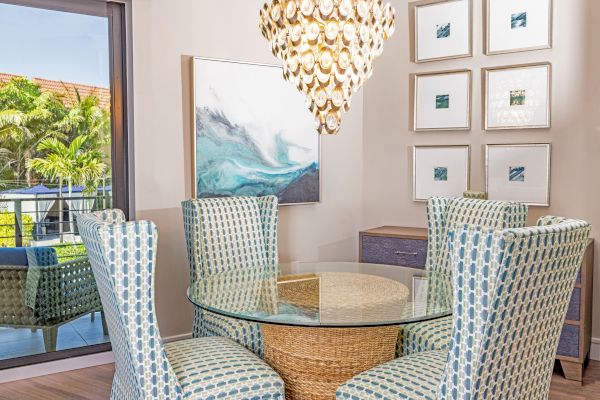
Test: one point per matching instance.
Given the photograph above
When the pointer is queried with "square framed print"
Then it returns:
(517, 25)
(518, 172)
(442, 101)
(248, 141)
(517, 97)
(443, 29)
(440, 171)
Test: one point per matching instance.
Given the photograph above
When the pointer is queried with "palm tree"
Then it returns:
(72, 164)
(86, 117)
(26, 118)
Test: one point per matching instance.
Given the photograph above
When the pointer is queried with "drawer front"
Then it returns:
(573, 313)
(569, 341)
(394, 251)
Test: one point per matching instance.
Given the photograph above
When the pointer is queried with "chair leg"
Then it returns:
(104, 325)
(93, 316)
(50, 338)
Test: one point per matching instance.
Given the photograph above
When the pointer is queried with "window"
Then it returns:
(64, 150)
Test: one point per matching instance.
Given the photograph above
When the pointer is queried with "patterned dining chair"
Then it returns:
(123, 257)
(443, 213)
(223, 234)
(511, 293)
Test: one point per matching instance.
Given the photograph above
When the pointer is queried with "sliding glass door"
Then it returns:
(63, 151)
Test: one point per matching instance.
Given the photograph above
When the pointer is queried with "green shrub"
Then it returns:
(68, 251)
(7, 229)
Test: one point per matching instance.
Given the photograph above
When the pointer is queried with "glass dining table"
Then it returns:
(324, 322)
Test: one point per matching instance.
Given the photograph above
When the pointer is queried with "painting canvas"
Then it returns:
(519, 172)
(518, 25)
(253, 135)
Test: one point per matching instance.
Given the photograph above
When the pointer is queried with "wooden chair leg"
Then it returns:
(104, 325)
(50, 338)
(573, 371)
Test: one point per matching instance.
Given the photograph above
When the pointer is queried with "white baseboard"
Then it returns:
(68, 364)
(595, 350)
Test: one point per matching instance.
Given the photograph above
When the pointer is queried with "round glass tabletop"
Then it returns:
(325, 294)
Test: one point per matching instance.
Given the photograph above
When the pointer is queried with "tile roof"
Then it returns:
(67, 89)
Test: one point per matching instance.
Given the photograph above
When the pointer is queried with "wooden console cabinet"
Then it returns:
(407, 247)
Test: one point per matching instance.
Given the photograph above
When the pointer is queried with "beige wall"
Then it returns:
(366, 169)
(165, 34)
(575, 133)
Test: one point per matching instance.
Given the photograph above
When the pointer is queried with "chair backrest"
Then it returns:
(123, 257)
(444, 213)
(511, 293)
(229, 232)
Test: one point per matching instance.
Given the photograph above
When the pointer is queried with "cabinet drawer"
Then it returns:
(573, 313)
(394, 251)
(569, 341)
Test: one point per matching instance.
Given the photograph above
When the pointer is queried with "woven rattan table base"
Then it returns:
(313, 362)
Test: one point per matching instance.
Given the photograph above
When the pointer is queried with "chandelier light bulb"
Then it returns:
(327, 48)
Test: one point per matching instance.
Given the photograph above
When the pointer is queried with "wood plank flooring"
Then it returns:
(94, 384)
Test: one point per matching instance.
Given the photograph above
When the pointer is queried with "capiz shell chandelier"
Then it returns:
(327, 48)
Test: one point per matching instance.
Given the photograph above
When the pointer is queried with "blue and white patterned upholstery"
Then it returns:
(224, 234)
(511, 293)
(442, 215)
(123, 257)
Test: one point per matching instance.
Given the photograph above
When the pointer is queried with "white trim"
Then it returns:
(68, 364)
(595, 350)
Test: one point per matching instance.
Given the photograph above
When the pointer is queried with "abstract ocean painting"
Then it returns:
(440, 174)
(516, 174)
(517, 98)
(518, 20)
(442, 101)
(443, 31)
(253, 134)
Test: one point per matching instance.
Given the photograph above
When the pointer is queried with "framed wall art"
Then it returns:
(517, 97)
(440, 171)
(442, 101)
(518, 172)
(443, 29)
(517, 25)
(251, 135)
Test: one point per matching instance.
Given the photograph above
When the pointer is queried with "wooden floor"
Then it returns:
(94, 384)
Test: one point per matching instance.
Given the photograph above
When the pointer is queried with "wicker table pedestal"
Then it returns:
(314, 361)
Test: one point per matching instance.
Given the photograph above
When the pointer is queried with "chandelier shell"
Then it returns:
(327, 48)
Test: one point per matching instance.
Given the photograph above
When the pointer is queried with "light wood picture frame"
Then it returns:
(519, 172)
(517, 97)
(442, 101)
(440, 170)
(441, 30)
(512, 26)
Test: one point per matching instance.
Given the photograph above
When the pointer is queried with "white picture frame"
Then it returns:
(518, 172)
(517, 25)
(443, 29)
(442, 101)
(518, 97)
(440, 171)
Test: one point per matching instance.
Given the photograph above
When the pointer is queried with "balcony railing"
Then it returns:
(47, 221)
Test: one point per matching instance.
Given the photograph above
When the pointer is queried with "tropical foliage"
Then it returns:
(34, 123)
(7, 229)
